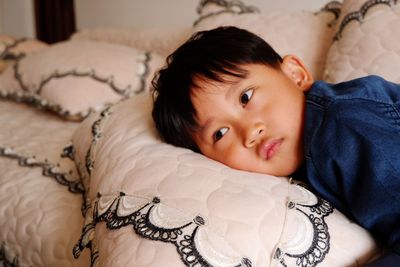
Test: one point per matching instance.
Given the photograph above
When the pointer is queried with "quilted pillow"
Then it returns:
(12, 48)
(305, 34)
(152, 204)
(367, 41)
(74, 77)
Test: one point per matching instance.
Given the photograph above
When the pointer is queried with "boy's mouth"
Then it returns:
(269, 148)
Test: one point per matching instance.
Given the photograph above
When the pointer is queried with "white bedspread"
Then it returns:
(40, 218)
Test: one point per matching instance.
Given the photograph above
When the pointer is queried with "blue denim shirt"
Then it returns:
(352, 152)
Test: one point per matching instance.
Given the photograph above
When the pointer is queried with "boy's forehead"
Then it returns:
(225, 81)
(215, 79)
(206, 89)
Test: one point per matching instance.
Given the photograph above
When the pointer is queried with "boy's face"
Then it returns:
(255, 123)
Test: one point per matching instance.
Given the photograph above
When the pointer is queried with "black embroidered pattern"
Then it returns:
(89, 162)
(320, 245)
(6, 54)
(96, 133)
(182, 237)
(48, 169)
(85, 240)
(191, 256)
(145, 74)
(360, 14)
(229, 6)
(68, 152)
(4, 258)
(36, 101)
(321, 239)
(334, 7)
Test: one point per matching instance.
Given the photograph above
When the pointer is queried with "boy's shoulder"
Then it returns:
(372, 88)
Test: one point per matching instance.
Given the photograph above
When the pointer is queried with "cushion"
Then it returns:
(305, 34)
(152, 204)
(367, 41)
(160, 40)
(12, 48)
(74, 77)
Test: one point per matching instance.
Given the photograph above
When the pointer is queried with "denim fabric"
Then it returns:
(391, 259)
(352, 152)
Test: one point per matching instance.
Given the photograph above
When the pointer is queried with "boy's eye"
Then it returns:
(220, 133)
(246, 96)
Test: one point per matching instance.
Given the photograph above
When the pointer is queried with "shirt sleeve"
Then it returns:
(355, 153)
(387, 260)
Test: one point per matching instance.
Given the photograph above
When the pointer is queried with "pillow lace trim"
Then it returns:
(36, 101)
(360, 14)
(5, 258)
(334, 7)
(238, 7)
(311, 243)
(48, 169)
(7, 54)
(228, 6)
(153, 220)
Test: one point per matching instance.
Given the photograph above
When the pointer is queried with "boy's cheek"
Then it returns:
(239, 160)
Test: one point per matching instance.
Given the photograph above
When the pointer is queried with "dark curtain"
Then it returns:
(55, 20)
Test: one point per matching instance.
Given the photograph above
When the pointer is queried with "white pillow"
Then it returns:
(74, 77)
(197, 210)
(304, 33)
(367, 41)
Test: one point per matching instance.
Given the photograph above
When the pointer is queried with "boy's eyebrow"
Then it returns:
(235, 85)
(203, 129)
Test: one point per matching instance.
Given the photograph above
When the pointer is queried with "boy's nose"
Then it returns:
(254, 134)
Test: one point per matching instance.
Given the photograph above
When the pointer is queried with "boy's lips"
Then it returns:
(269, 148)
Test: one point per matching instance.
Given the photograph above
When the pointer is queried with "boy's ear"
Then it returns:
(295, 69)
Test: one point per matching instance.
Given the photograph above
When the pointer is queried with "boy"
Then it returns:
(227, 94)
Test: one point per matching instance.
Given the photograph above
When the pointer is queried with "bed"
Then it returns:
(86, 181)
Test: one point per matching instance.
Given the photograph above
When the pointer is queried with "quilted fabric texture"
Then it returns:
(74, 77)
(40, 192)
(305, 34)
(367, 41)
(162, 41)
(151, 204)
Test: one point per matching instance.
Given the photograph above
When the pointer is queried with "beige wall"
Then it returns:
(92, 13)
(98, 13)
(16, 18)
(1, 16)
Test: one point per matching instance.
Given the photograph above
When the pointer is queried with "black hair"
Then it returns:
(207, 55)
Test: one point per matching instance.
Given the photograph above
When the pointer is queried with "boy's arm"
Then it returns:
(357, 160)
(387, 260)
